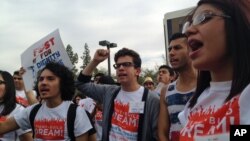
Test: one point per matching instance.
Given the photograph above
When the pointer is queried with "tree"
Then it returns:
(85, 56)
(73, 58)
(148, 72)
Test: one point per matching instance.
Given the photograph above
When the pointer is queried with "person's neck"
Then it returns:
(187, 75)
(187, 79)
(130, 87)
(20, 89)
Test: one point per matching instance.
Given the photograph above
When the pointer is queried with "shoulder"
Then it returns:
(172, 86)
(153, 97)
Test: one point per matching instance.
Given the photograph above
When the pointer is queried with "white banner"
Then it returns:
(48, 49)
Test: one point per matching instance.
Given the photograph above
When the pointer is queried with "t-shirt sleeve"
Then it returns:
(20, 131)
(82, 122)
(22, 118)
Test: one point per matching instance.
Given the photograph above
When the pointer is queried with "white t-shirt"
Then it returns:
(21, 97)
(51, 123)
(210, 118)
(125, 123)
(13, 135)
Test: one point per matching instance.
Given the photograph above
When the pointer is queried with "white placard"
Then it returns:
(48, 49)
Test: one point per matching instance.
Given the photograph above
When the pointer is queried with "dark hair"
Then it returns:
(128, 52)
(177, 36)
(99, 74)
(67, 87)
(237, 41)
(78, 94)
(9, 98)
(170, 70)
(106, 79)
(16, 72)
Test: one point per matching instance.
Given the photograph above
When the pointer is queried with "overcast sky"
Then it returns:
(136, 24)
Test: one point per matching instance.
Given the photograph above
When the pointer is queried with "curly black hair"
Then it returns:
(66, 76)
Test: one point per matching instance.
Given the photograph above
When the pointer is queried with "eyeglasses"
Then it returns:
(202, 18)
(17, 78)
(124, 64)
(2, 82)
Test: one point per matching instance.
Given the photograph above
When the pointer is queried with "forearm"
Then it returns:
(163, 122)
(8, 125)
(90, 68)
(26, 137)
(31, 97)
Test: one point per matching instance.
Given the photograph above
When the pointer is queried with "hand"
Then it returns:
(22, 71)
(101, 55)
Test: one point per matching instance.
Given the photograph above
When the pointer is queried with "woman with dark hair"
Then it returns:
(218, 37)
(55, 85)
(9, 107)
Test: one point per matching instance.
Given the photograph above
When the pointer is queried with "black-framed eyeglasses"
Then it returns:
(2, 82)
(17, 78)
(202, 18)
(124, 64)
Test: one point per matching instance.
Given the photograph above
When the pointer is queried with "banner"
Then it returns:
(48, 49)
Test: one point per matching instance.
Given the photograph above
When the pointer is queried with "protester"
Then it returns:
(55, 85)
(149, 83)
(164, 77)
(175, 96)
(125, 103)
(218, 37)
(77, 97)
(97, 77)
(9, 107)
(23, 97)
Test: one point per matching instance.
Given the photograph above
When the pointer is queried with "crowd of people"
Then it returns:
(203, 92)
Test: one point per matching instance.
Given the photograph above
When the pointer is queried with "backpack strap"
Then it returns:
(32, 116)
(71, 116)
(141, 116)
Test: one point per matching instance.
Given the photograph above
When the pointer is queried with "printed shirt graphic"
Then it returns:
(51, 123)
(176, 101)
(98, 125)
(12, 136)
(124, 124)
(50, 129)
(21, 98)
(210, 116)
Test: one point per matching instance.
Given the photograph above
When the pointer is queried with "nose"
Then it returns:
(190, 30)
(172, 52)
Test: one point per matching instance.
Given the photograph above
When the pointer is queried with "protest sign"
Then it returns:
(48, 49)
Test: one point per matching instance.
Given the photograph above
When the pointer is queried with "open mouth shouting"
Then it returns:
(195, 46)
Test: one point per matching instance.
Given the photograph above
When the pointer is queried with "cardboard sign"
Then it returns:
(48, 49)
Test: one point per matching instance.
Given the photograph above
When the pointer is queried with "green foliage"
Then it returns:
(148, 72)
(86, 58)
(73, 58)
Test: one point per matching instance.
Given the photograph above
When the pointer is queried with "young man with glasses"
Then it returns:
(130, 112)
